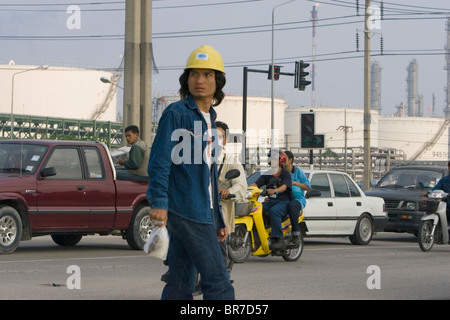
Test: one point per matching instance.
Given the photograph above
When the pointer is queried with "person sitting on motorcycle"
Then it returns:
(299, 183)
(236, 186)
(444, 185)
(279, 191)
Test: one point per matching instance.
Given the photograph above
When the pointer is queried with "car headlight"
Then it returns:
(410, 205)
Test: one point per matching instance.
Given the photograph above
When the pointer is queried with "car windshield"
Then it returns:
(410, 179)
(20, 157)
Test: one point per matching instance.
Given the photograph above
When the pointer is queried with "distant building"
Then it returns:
(419, 138)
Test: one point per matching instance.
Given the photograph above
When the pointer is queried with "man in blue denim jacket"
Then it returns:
(183, 190)
(444, 185)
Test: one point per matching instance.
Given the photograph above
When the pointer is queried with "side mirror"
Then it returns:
(313, 193)
(234, 173)
(47, 172)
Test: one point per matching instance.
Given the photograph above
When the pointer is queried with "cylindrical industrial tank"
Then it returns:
(57, 92)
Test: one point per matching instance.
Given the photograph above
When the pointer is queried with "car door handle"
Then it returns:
(330, 204)
(80, 187)
(358, 203)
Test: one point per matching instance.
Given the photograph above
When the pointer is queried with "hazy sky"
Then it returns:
(49, 32)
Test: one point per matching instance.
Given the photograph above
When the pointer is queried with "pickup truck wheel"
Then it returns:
(140, 227)
(10, 229)
(363, 231)
(66, 240)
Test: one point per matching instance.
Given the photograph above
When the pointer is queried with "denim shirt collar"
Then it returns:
(192, 105)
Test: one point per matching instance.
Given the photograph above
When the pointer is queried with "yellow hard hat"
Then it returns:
(205, 57)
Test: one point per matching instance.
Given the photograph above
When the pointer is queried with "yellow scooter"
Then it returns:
(252, 236)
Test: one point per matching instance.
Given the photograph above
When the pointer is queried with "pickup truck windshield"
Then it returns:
(410, 179)
(20, 157)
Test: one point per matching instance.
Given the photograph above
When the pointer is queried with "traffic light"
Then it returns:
(309, 139)
(318, 141)
(300, 74)
(276, 72)
(307, 124)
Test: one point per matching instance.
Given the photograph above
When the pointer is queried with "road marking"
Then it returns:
(65, 259)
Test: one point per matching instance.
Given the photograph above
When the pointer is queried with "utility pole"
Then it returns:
(367, 118)
(137, 95)
(146, 123)
(313, 67)
(272, 113)
(132, 63)
(345, 129)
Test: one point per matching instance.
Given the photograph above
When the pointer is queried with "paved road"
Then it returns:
(392, 266)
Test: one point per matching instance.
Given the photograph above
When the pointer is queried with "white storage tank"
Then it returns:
(57, 92)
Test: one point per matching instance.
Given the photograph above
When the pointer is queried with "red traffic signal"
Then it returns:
(276, 72)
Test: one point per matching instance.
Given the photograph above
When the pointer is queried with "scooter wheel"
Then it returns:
(239, 248)
(294, 254)
(426, 239)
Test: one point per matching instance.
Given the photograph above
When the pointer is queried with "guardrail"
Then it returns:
(38, 127)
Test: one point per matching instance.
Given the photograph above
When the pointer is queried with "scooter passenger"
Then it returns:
(237, 186)
(300, 183)
(279, 196)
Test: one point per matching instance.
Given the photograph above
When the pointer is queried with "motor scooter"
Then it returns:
(434, 225)
(252, 234)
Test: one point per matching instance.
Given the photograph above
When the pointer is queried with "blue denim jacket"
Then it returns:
(179, 176)
(443, 184)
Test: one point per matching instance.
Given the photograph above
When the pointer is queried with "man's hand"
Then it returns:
(224, 193)
(159, 215)
(222, 234)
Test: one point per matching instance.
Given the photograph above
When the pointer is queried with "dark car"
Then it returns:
(402, 189)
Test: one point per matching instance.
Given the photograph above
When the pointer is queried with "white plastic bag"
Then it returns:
(157, 243)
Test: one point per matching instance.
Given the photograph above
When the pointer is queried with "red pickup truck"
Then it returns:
(67, 189)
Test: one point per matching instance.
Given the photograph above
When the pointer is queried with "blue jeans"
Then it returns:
(124, 174)
(276, 209)
(194, 247)
(294, 213)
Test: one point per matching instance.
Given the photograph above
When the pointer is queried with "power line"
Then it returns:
(191, 33)
(404, 8)
(109, 3)
(60, 4)
(343, 55)
(61, 37)
(206, 4)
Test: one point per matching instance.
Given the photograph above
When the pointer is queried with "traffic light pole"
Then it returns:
(367, 120)
(244, 103)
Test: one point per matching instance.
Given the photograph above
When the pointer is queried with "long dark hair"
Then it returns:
(220, 83)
